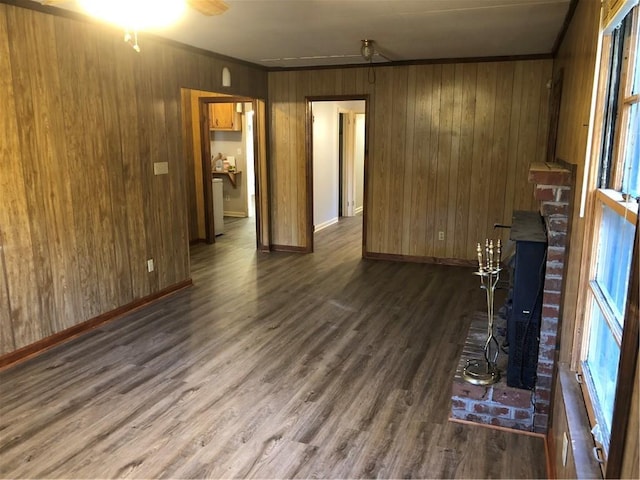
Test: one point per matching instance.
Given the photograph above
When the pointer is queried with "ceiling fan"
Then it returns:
(134, 16)
(205, 7)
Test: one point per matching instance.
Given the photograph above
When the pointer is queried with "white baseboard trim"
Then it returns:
(326, 224)
(358, 210)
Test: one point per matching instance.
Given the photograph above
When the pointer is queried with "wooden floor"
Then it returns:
(272, 366)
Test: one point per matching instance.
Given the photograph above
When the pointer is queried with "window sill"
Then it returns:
(579, 428)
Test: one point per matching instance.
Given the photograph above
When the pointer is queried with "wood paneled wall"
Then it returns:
(577, 59)
(449, 147)
(631, 455)
(83, 119)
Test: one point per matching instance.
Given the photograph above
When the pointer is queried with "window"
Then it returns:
(613, 266)
(613, 219)
(631, 181)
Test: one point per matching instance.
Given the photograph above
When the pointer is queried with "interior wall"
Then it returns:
(359, 162)
(449, 149)
(354, 172)
(577, 59)
(325, 164)
(248, 126)
(631, 454)
(83, 120)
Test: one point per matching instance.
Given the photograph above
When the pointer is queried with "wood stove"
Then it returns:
(524, 304)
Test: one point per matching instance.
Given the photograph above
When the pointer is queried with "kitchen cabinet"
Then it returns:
(223, 116)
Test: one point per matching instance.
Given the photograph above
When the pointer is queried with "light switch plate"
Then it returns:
(160, 168)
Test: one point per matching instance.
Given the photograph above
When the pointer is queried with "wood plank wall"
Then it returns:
(449, 148)
(631, 455)
(577, 59)
(83, 119)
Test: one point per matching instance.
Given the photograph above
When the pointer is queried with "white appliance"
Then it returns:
(218, 207)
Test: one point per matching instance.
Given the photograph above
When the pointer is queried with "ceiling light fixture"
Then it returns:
(132, 40)
(133, 16)
(367, 50)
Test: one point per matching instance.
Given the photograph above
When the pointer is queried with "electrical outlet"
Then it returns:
(239, 151)
(150, 266)
(440, 235)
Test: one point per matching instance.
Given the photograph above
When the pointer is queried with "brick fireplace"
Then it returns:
(554, 192)
(499, 404)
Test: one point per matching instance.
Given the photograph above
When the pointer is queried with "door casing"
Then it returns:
(309, 162)
(260, 167)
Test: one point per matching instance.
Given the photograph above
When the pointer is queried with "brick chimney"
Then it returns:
(554, 185)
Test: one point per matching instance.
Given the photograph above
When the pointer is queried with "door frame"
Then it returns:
(260, 168)
(309, 161)
(346, 185)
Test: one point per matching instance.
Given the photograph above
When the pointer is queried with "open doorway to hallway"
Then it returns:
(338, 160)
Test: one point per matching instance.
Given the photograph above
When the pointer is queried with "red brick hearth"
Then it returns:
(499, 404)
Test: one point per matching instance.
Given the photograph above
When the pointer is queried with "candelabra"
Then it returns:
(485, 372)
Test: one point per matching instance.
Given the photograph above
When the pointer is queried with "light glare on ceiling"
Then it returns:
(135, 14)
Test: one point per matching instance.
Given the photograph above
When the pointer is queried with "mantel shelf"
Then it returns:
(230, 175)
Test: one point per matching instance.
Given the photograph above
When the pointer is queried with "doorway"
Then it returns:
(336, 161)
(233, 158)
(351, 160)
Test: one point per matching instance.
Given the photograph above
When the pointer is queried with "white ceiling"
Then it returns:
(297, 33)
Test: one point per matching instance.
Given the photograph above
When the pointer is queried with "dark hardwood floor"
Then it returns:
(274, 365)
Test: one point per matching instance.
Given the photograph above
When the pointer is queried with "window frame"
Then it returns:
(626, 98)
(613, 198)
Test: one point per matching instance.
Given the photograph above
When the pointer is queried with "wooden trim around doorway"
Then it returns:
(309, 161)
(259, 167)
